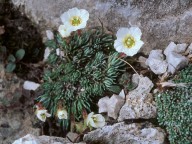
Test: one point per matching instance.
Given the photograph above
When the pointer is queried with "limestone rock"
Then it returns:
(121, 133)
(46, 54)
(139, 102)
(181, 48)
(156, 54)
(49, 34)
(27, 140)
(122, 94)
(135, 79)
(172, 47)
(156, 62)
(160, 22)
(114, 105)
(10, 88)
(189, 49)
(15, 123)
(157, 66)
(176, 62)
(142, 61)
(74, 137)
(29, 85)
(31, 139)
(103, 104)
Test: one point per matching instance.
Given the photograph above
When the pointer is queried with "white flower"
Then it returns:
(42, 114)
(128, 40)
(75, 18)
(96, 121)
(62, 114)
(64, 31)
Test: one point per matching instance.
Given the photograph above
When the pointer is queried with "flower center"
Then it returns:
(129, 41)
(75, 21)
(43, 116)
(94, 119)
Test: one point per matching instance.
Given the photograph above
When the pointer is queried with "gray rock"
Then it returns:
(122, 94)
(189, 49)
(102, 104)
(10, 88)
(160, 22)
(158, 66)
(49, 34)
(157, 54)
(181, 48)
(14, 124)
(31, 139)
(46, 53)
(135, 79)
(121, 133)
(176, 62)
(74, 137)
(29, 85)
(114, 105)
(172, 47)
(139, 102)
(156, 62)
(142, 61)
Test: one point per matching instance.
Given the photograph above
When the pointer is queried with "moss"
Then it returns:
(175, 109)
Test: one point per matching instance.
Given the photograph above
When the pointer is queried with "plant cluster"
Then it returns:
(90, 67)
(82, 67)
(175, 109)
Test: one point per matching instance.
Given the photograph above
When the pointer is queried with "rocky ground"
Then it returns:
(133, 114)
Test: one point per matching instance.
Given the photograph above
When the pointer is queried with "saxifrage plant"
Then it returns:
(90, 67)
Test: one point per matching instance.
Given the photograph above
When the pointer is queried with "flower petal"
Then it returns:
(84, 14)
(62, 114)
(81, 14)
(92, 123)
(89, 117)
(119, 45)
(47, 114)
(99, 117)
(136, 32)
(124, 36)
(41, 114)
(64, 30)
(122, 32)
(99, 124)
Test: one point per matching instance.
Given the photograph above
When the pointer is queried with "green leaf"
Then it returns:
(20, 54)
(115, 89)
(11, 58)
(10, 67)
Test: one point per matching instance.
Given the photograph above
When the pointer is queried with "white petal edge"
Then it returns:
(121, 33)
(89, 117)
(136, 32)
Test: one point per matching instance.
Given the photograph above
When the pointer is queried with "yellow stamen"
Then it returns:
(75, 21)
(129, 41)
(43, 116)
